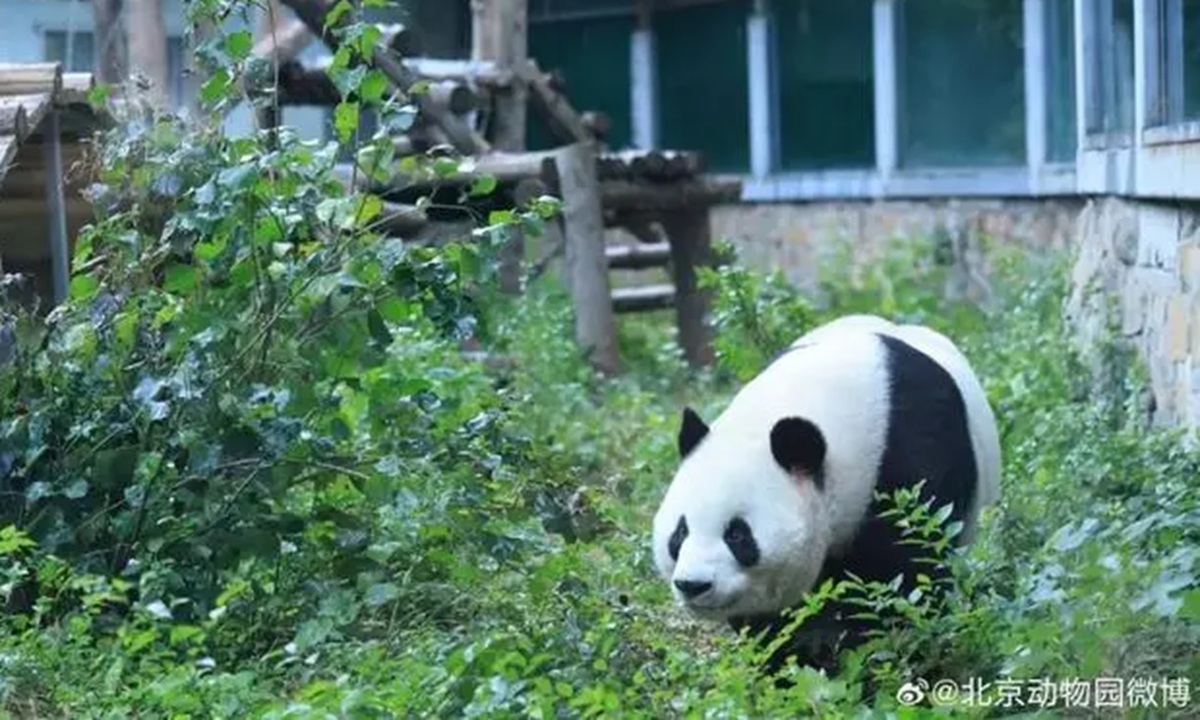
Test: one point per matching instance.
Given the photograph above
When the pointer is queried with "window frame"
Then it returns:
(1165, 123)
(1100, 76)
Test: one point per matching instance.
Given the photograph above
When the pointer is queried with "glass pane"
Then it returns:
(824, 60)
(593, 57)
(1191, 59)
(81, 50)
(703, 89)
(962, 84)
(1060, 80)
(1119, 101)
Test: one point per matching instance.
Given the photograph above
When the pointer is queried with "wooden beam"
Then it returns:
(563, 119)
(311, 85)
(643, 298)
(616, 171)
(586, 266)
(483, 72)
(638, 257)
(701, 192)
(690, 236)
(466, 140)
(56, 207)
(30, 78)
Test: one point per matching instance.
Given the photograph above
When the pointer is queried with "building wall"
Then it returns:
(1138, 274)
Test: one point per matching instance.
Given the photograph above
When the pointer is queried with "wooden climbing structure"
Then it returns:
(478, 108)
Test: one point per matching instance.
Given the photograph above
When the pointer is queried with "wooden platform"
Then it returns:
(45, 121)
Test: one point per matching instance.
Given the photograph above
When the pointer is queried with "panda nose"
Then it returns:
(691, 588)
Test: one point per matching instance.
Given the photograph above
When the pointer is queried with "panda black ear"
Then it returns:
(691, 432)
(799, 446)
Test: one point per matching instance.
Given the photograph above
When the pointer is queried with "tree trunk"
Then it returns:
(109, 62)
(148, 47)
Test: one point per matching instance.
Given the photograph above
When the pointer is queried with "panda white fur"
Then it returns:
(778, 493)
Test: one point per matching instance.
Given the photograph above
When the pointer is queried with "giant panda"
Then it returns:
(778, 493)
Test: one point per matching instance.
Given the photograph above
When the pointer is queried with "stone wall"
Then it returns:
(797, 237)
(1138, 273)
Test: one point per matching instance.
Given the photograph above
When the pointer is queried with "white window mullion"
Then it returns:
(886, 125)
(643, 89)
(762, 126)
(1036, 63)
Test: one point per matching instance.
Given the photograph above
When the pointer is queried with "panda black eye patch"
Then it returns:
(677, 538)
(740, 540)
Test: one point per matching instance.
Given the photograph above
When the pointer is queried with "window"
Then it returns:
(79, 55)
(703, 88)
(1108, 66)
(961, 94)
(1176, 97)
(593, 57)
(825, 75)
(1060, 81)
(76, 52)
(577, 9)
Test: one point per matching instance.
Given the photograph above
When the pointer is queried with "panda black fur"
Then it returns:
(777, 495)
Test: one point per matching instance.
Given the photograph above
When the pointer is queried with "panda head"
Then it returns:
(743, 529)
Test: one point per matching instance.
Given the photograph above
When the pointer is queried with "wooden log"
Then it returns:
(599, 124)
(527, 190)
(642, 225)
(701, 192)
(455, 97)
(643, 298)
(311, 85)
(402, 220)
(482, 72)
(30, 78)
(288, 41)
(75, 88)
(466, 140)
(638, 257)
(587, 269)
(12, 118)
(690, 236)
(563, 120)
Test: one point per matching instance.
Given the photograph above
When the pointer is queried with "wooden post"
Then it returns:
(586, 264)
(267, 115)
(499, 34)
(56, 205)
(690, 236)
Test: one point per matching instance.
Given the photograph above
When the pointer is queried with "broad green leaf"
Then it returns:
(180, 279)
(239, 44)
(84, 287)
(345, 120)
